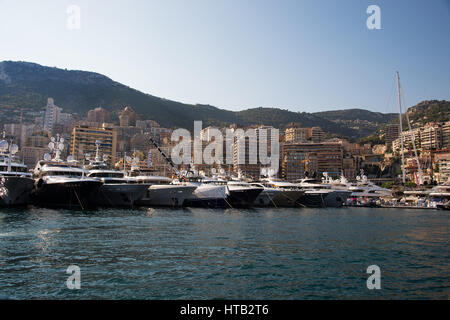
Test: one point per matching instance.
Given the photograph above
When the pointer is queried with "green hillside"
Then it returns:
(29, 85)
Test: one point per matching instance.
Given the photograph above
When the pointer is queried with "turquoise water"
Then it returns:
(225, 254)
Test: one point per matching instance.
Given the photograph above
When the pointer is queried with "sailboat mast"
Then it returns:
(413, 139)
(401, 128)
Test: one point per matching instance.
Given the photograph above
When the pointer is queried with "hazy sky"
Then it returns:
(299, 55)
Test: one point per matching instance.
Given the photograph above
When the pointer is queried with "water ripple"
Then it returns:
(224, 254)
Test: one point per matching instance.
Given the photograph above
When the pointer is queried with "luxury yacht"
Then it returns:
(318, 194)
(440, 195)
(209, 193)
(366, 193)
(242, 194)
(61, 183)
(278, 193)
(162, 192)
(117, 190)
(365, 188)
(159, 191)
(267, 196)
(16, 182)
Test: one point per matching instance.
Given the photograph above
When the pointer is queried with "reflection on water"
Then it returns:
(228, 254)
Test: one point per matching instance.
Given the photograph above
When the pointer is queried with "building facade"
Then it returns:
(299, 159)
(83, 141)
(98, 115)
(392, 133)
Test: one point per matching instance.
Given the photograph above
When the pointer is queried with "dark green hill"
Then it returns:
(429, 111)
(357, 114)
(29, 85)
(366, 122)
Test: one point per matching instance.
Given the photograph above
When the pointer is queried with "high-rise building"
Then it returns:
(442, 159)
(431, 136)
(446, 135)
(408, 137)
(52, 114)
(247, 157)
(83, 141)
(392, 133)
(314, 158)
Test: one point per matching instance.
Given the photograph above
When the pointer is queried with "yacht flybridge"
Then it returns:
(16, 182)
(60, 183)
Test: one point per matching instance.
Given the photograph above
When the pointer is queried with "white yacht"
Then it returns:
(162, 192)
(16, 182)
(366, 188)
(267, 196)
(61, 183)
(288, 193)
(159, 191)
(242, 194)
(440, 195)
(117, 190)
(318, 194)
(209, 193)
(366, 193)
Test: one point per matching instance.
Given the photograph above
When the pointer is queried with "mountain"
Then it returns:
(429, 111)
(362, 120)
(29, 85)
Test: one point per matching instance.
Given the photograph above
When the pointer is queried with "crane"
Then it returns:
(178, 173)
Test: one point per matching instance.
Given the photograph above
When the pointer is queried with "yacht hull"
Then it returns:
(120, 195)
(337, 198)
(76, 195)
(206, 203)
(287, 198)
(208, 196)
(166, 196)
(15, 191)
(243, 198)
(266, 198)
(312, 200)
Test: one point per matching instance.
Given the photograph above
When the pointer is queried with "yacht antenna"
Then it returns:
(97, 155)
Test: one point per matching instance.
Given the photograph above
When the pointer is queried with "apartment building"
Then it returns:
(431, 136)
(408, 137)
(312, 158)
(392, 133)
(446, 135)
(83, 141)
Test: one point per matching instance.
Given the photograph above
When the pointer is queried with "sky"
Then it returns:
(301, 55)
